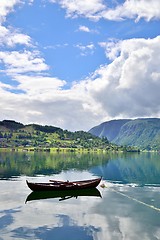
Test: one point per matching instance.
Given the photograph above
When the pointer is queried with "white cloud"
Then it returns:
(84, 29)
(87, 29)
(130, 84)
(10, 37)
(5, 86)
(63, 109)
(22, 62)
(39, 86)
(56, 46)
(87, 8)
(86, 49)
(6, 7)
(127, 87)
(134, 9)
(97, 9)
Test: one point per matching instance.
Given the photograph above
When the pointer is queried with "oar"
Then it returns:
(50, 180)
(63, 182)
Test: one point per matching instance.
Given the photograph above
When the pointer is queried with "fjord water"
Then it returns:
(128, 208)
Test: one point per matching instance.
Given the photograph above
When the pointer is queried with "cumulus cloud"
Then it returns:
(97, 9)
(127, 87)
(89, 9)
(134, 9)
(39, 86)
(21, 62)
(11, 37)
(63, 108)
(6, 7)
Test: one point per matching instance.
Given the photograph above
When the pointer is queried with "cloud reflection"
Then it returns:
(112, 217)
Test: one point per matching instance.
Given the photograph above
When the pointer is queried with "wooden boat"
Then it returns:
(63, 195)
(54, 185)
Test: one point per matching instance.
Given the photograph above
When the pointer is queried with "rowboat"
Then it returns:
(54, 185)
(63, 195)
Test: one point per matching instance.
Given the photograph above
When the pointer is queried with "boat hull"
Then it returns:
(60, 185)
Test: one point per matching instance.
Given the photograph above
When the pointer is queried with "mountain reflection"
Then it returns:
(31, 164)
(143, 168)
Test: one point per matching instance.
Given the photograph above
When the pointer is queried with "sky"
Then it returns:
(74, 64)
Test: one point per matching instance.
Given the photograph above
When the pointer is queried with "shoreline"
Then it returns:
(69, 150)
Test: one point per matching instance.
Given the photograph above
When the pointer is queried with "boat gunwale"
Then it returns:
(52, 186)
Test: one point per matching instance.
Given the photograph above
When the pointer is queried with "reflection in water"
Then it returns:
(141, 168)
(133, 198)
(43, 163)
(115, 216)
(129, 219)
(63, 232)
(63, 195)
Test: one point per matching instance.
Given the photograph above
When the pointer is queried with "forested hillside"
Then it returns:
(143, 133)
(34, 136)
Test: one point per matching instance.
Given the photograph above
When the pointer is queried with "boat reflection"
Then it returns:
(63, 195)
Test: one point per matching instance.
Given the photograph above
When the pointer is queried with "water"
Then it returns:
(129, 206)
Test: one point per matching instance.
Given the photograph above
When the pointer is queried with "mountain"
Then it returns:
(143, 133)
(109, 129)
(17, 135)
(10, 125)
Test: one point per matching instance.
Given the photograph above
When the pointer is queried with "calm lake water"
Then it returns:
(127, 208)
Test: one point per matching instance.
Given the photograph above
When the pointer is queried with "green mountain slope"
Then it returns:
(109, 129)
(16, 135)
(143, 133)
(10, 125)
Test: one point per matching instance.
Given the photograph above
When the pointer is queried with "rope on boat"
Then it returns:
(132, 198)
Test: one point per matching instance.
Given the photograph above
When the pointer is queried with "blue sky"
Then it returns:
(75, 64)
